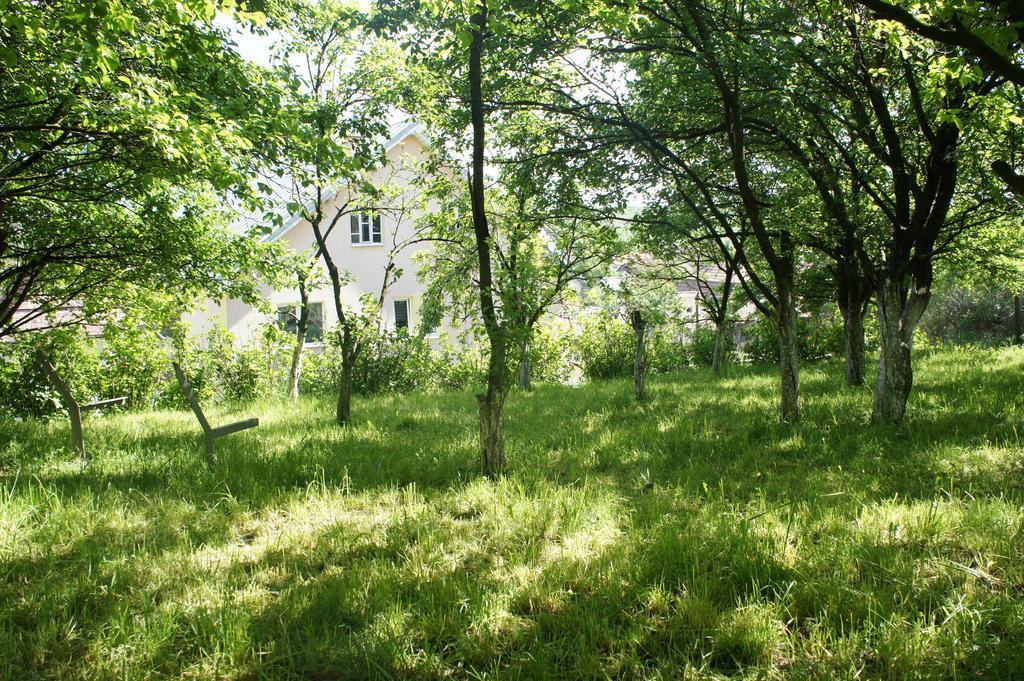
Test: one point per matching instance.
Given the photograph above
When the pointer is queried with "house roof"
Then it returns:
(411, 128)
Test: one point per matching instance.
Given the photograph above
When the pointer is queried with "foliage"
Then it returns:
(982, 314)
(395, 363)
(691, 536)
(124, 128)
(459, 367)
(606, 346)
(702, 345)
(551, 353)
(135, 362)
(818, 337)
(392, 363)
(24, 387)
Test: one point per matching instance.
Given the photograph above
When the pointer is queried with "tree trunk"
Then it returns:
(721, 322)
(898, 315)
(492, 441)
(295, 371)
(524, 364)
(718, 357)
(301, 327)
(640, 357)
(789, 355)
(851, 296)
(853, 344)
(492, 404)
(492, 445)
(344, 413)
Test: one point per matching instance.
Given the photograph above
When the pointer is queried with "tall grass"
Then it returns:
(692, 536)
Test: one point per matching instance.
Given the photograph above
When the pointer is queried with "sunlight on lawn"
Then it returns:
(691, 535)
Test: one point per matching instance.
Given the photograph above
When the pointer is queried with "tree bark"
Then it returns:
(898, 315)
(491, 404)
(851, 298)
(525, 378)
(492, 446)
(718, 357)
(853, 344)
(721, 322)
(301, 327)
(640, 357)
(789, 354)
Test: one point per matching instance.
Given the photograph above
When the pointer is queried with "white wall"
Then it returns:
(364, 263)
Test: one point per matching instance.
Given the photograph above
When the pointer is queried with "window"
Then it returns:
(401, 315)
(365, 228)
(315, 329)
(288, 319)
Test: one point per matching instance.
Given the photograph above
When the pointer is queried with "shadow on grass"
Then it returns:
(693, 532)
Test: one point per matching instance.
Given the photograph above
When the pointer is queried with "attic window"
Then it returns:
(365, 228)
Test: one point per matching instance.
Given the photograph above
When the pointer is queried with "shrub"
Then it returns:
(702, 346)
(668, 349)
(550, 354)
(458, 368)
(136, 364)
(25, 388)
(321, 371)
(761, 341)
(818, 337)
(391, 362)
(981, 316)
(606, 347)
(219, 369)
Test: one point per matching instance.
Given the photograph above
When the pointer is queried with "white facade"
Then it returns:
(362, 244)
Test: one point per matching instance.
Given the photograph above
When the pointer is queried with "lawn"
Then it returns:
(691, 537)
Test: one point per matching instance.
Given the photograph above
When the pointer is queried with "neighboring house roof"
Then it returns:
(29, 317)
(412, 128)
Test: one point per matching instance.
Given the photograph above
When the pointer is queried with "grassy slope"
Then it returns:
(693, 533)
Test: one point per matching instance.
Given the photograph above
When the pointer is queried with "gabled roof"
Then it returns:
(404, 131)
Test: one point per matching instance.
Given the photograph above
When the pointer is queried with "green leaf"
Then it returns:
(9, 57)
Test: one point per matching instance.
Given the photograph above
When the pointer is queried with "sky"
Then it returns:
(252, 47)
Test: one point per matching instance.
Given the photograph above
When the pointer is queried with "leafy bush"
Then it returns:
(391, 362)
(136, 363)
(606, 347)
(761, 341)
(982, 315)
(668, 349)
(702, 346)
(458, 368)
(321, 371)
(25, 388)
(220, 369)
(551, 354)
(818, 337)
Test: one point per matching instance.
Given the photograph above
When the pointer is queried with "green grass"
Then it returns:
(689, 537)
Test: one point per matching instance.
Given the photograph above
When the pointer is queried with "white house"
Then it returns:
(362, 244)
